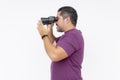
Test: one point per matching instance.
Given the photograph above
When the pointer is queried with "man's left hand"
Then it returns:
(42, 29)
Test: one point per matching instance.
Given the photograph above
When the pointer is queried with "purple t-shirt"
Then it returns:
(69, 68)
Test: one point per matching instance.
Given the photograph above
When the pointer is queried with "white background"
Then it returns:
(22, 54)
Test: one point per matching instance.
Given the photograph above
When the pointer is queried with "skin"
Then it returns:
(55, 53)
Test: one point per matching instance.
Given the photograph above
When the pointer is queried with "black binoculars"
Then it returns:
(49, 20)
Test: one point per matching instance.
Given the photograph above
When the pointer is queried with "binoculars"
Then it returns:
(49, 20)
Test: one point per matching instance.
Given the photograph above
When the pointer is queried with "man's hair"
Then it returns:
(69, 11)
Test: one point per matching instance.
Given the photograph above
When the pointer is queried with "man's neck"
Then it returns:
(69, 28)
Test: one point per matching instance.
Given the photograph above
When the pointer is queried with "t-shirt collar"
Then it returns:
(70, 30)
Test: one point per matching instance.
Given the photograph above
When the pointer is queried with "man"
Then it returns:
(67, 54)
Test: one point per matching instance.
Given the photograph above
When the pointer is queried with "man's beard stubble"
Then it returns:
(59, 29)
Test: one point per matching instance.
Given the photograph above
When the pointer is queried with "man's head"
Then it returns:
(66, 16)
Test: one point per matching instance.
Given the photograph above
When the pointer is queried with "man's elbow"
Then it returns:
(55, 59)
(57, 56)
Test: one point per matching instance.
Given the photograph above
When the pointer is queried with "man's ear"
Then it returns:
(67, 20)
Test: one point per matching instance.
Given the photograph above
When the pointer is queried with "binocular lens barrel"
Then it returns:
(49, 20)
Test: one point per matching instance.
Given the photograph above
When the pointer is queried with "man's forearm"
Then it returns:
(51, 36)
(49, 47)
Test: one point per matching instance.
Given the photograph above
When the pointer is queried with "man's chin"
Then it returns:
(59, 31)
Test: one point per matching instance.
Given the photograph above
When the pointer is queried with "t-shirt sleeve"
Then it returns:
(67, 44)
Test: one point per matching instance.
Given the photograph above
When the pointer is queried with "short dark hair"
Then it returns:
(69, 11)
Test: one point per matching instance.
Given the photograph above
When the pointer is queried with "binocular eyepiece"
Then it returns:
(49, 20)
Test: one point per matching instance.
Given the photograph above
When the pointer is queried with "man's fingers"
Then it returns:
(50, 25)
(40, 23)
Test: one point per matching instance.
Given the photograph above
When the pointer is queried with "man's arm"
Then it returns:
(56, 53)
(51, 36)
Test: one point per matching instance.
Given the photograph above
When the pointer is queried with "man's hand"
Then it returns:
(43, 30)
